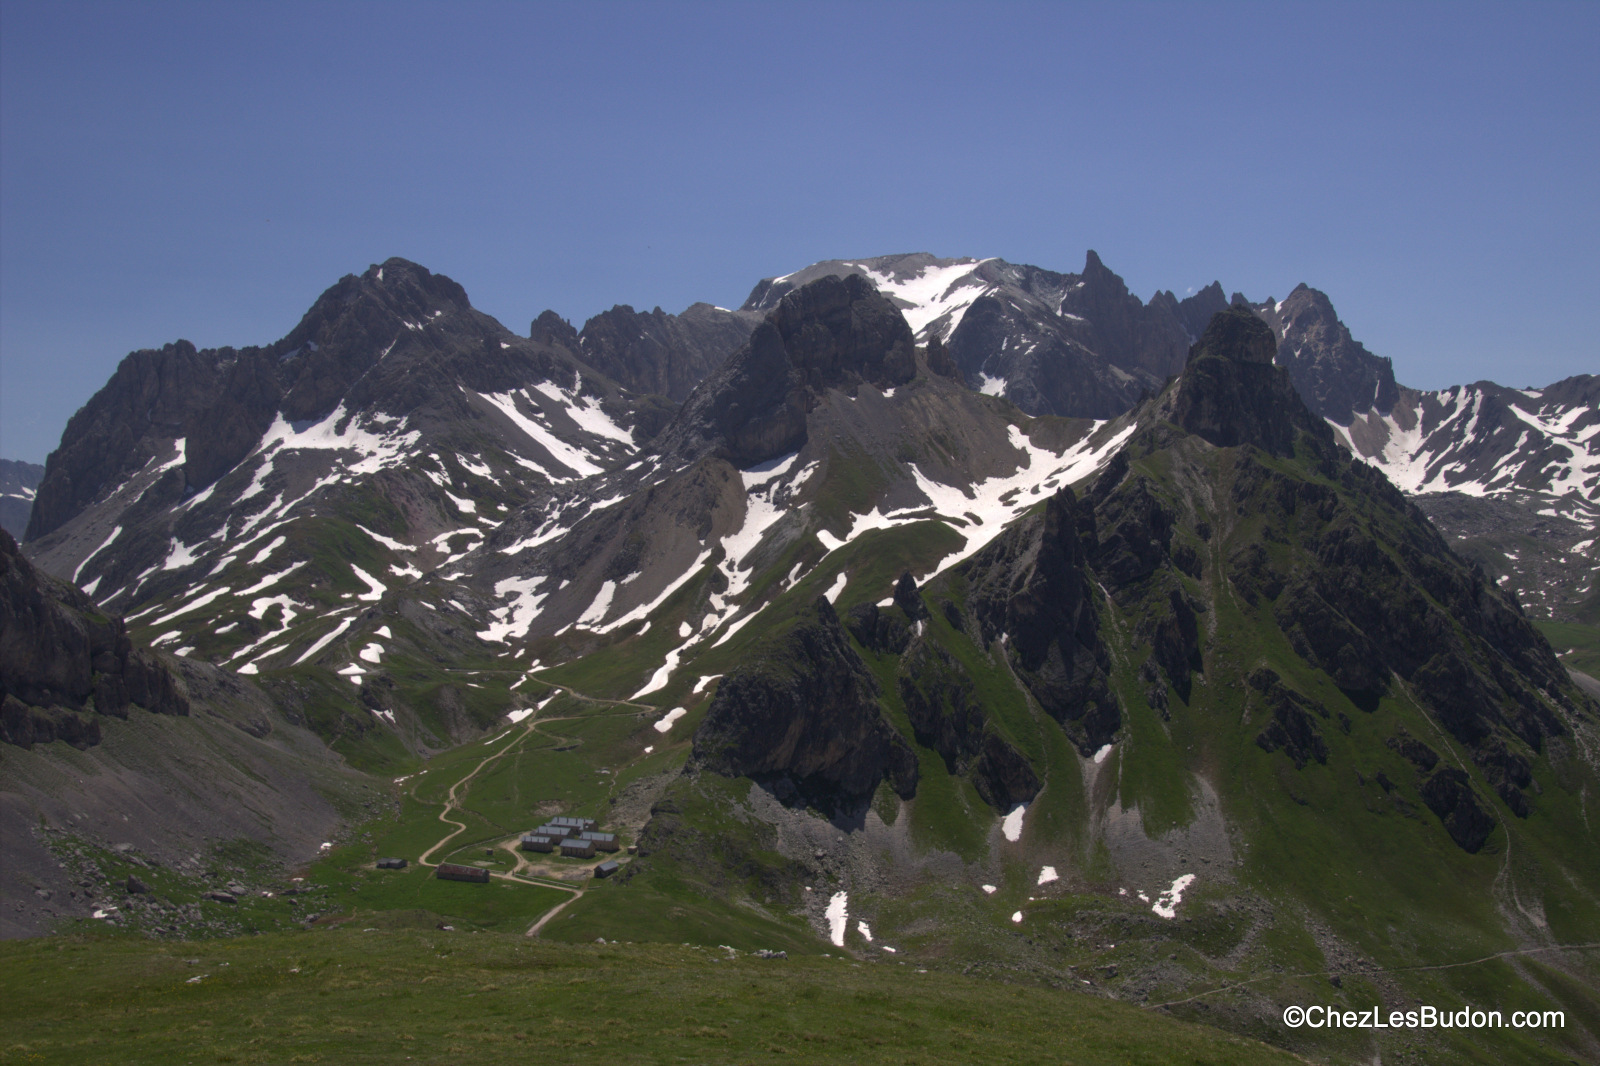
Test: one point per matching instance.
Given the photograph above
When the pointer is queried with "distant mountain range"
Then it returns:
(913, 581)
(392, 381)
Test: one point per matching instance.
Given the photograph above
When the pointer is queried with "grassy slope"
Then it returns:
(399, 993)
(1577, 643)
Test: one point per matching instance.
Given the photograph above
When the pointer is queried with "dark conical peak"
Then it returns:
(1231, 394)
(1236, 333)
(550, 328)
(840, 331)
(834, 332)
(401, 276)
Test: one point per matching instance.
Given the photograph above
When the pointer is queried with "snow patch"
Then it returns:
(325, 640)
(375, 588)
(1011, 828)
(660, 678)
(671, 716)
(837, 914)
(1166, 904)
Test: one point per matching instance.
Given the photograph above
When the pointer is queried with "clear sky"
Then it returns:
(205, 170)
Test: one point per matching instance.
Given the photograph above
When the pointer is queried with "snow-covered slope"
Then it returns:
(1077, 345)
(429, 423)
(1485, 439)
(698, 541)
(403, 480)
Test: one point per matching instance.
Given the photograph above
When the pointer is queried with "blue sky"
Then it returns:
(204, 171)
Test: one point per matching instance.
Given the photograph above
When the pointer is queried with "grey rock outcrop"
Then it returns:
(654, 352)
(62, 661)
(832, 333)
(804, 720)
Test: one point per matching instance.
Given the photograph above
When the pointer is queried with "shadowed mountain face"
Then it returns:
(835, 333)
(806, 721)
(18, 483)
(63, 662)
(1231, 393)
(654, 352)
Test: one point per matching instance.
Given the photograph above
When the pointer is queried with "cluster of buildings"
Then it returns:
(574, 838)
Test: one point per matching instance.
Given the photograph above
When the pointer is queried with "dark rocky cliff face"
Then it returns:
(1231, 394)
(1334, 374)
(62, 661)
(1031, 588)
(19, 482)
(153, 394)
(833, 333)
(805, 721)
(946, 714)
(654, 352)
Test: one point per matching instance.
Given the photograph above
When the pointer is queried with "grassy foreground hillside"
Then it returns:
(396, 994)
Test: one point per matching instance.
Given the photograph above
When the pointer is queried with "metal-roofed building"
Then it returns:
(607, 868)
(538, 842)
(452, 872)
(602, 841)
(391, 864)
(577, 848)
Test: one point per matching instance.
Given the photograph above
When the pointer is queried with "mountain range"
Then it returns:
(992, 609)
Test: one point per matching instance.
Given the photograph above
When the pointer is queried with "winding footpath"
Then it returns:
(453, 798)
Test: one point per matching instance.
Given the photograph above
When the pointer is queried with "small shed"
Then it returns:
(602, 841)
(537, 842)
(577, 848)
(452, 872)
(391, 864)
(607, 868)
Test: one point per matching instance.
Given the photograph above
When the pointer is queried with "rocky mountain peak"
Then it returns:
(550, 328)
(1336, 375)
(654, 352)
(1231, 393)
(1236, 334)
(842, 331)
(834, 332)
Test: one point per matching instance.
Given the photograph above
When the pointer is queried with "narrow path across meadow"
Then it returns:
(454, 797)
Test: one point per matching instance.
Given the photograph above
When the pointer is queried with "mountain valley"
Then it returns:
(945, 613)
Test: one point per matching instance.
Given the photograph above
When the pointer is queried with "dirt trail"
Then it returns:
(453, 799)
